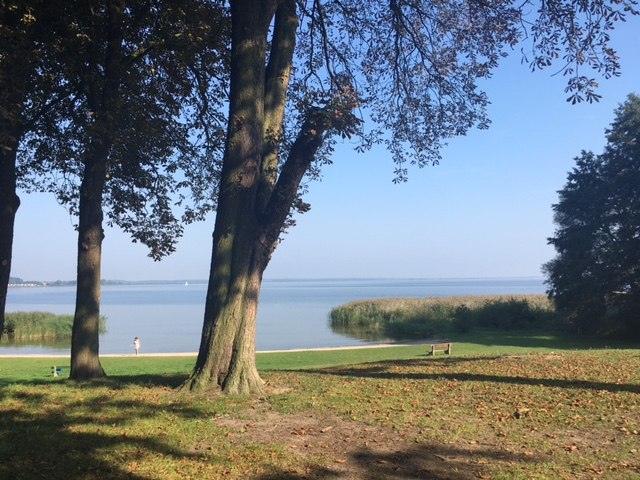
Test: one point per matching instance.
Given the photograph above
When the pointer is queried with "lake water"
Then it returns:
(292, 313)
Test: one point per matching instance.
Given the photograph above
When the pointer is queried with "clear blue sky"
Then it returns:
(485, 211)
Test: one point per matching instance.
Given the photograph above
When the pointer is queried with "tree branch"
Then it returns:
(301, 155)
(277, 75)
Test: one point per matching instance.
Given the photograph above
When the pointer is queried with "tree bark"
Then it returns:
(9, 203)
(85, 360)
(227, 350)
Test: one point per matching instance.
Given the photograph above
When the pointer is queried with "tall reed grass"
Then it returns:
(420, 318)
(38, 326)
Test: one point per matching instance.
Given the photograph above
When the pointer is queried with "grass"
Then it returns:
(501, 407)
(39, 327)
(421, 318)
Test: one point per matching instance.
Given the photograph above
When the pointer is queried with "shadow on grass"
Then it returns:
(388, 370)
(113, 381)
(425, 461)
(540, 339)
(85, 438)
(169, 380)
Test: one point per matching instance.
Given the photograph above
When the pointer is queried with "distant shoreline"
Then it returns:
(19, 283)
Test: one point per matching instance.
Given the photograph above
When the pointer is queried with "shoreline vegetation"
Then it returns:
(40, 328)
(400, 319)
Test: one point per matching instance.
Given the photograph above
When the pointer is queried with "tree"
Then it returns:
(30, 88)
(137, 126)
(303, 73)
(595, 277)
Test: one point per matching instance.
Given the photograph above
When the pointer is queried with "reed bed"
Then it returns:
(419, 318)
(38, 326)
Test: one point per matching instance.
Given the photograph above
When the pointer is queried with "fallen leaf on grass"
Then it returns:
(482, 476)
(595, 470)
(522, 412)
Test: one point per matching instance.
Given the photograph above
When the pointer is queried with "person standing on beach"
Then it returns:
(136, 345)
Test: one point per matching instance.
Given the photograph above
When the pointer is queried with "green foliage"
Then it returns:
(401, 319)
(143, 81)
(595, 277)
(36, 326)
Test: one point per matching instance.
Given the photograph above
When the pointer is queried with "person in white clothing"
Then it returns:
(136, 344)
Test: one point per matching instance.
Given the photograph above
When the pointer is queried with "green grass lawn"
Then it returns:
(500, 407)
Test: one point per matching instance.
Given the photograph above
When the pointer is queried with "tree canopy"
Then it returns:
(595, 277)
(144, 79)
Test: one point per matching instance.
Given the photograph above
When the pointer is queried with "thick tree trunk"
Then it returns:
(227, 352)
(9, 203)
(254, 201)
(85, 361)
(227, 349)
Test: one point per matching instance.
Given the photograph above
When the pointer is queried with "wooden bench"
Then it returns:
(439, 347)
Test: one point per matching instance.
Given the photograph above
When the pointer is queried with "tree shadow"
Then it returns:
(78, 439)
(426, 461)
(112, 381)
(153, 380)
(554, 340)
(388, 370)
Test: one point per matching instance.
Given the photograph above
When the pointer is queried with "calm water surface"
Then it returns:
(292, 313)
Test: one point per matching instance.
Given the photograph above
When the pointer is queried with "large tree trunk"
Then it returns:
(9, 203)
(227, 352)
(85, 361)
(227, 349)
(254, 199)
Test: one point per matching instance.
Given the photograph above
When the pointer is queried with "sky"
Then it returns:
(483, 212)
